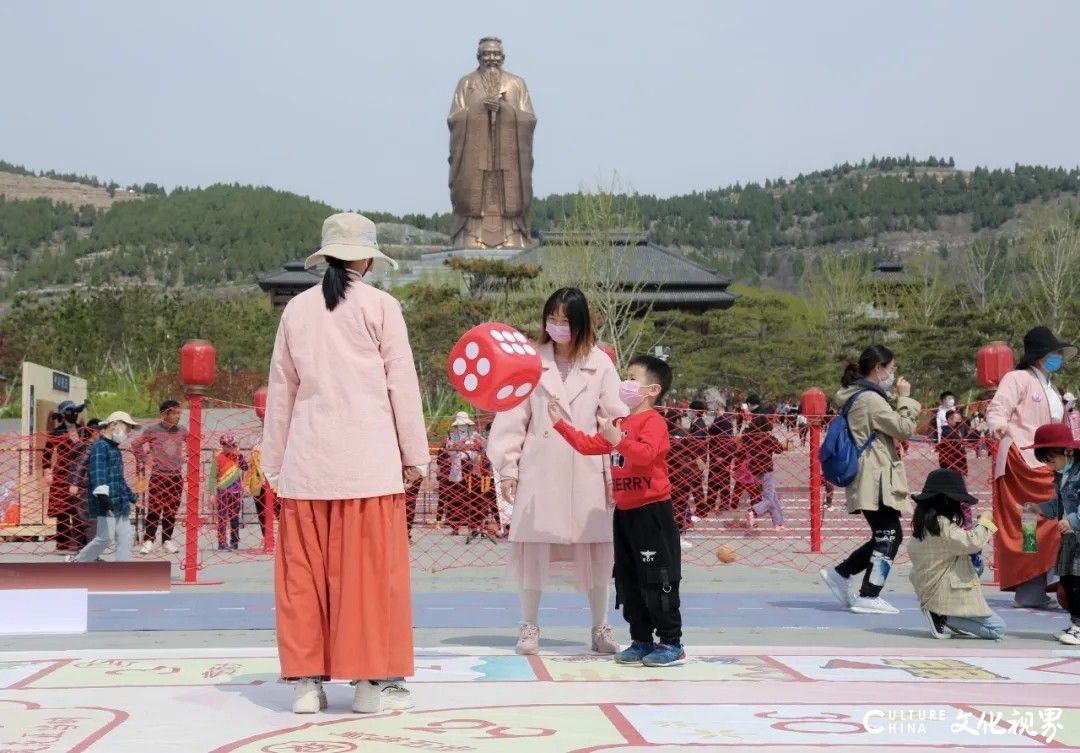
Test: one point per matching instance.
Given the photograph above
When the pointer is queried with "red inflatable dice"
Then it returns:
(494, 367)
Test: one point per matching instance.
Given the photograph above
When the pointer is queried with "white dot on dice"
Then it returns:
(520, 337)
(483, 366)
(509, 336)
(472, 350)
(459, 366)
(506, 347)
(504, 392)
(529, 349)
(523, 390)
(518, 349)
(470, 382)
(497, 335)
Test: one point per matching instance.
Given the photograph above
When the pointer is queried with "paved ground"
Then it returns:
(776, 611)
(775, 665)
(725, 698)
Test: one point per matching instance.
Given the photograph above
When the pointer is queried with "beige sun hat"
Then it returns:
(462, 419)
(350, 237)
(120, 417)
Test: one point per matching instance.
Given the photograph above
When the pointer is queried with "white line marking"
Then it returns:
(124, 610)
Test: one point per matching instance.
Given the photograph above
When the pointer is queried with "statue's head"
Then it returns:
(490, 53)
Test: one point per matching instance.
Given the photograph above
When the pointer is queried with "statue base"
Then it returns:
(492, 233)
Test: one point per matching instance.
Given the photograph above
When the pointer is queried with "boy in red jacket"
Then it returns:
(646, 538)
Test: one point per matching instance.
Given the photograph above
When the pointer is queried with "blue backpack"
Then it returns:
(839, 454)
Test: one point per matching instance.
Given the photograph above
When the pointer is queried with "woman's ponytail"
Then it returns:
(335, 282)
(850, 375)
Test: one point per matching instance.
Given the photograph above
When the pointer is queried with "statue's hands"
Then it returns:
(492, 103)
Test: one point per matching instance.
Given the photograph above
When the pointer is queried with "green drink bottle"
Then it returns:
(1028, 523)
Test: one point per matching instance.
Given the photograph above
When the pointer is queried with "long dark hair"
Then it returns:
(335, 282)
(573, 302)
(925, 520)
(871, 358)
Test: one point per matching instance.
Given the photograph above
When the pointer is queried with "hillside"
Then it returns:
(56, 234)
(24, 187)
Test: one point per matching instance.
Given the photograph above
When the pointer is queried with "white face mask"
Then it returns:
(120, 433)
(888, 382)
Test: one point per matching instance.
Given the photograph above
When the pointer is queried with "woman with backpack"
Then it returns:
(879, 490)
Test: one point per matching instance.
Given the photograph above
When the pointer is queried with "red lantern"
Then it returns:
(813, 403)
(198, 365)
(610, 351)
(260, 403)
(992, 363)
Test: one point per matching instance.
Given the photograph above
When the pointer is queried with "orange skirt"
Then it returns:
(341, 587)
(1020, 484)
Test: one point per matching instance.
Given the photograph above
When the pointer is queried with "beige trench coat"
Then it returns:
(881, 470)
(562, 496)
(942, 573)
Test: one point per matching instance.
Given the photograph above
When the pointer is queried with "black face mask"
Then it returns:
(71, 417)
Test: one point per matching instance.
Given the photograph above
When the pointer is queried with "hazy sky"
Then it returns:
(347, 101)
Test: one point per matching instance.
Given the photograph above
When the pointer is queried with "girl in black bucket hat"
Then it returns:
(942, 572)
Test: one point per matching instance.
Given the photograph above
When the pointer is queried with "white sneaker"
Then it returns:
(838, 584)
(1071, 637)
(695, 519)
(875, 605)
(309, 697)
(938, 628)
(148, 547)
(383, 696)
(528, 639)
(684, 544)
(170, 547)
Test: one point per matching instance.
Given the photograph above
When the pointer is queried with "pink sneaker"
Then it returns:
(528, 639)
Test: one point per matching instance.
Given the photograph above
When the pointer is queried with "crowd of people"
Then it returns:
(159, 452)
(599, 481)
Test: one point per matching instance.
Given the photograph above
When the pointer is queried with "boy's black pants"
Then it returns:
(1071, 584)
(647, 571)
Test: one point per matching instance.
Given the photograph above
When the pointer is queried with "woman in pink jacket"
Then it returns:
(561, 511)
(1025, 400)
(343, 432)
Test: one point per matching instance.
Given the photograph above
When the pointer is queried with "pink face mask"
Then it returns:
(560, 333)
(630, 394)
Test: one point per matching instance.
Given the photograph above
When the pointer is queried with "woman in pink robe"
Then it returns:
(1025, 400)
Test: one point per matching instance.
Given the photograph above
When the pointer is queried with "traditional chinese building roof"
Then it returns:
(650, 273)
(290, 282)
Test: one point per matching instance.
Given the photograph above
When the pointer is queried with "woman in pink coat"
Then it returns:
(1025, 400)
(344, 430)
(561, 511)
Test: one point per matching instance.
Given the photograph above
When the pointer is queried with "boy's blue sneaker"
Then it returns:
(666, 655)
(634, 653)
